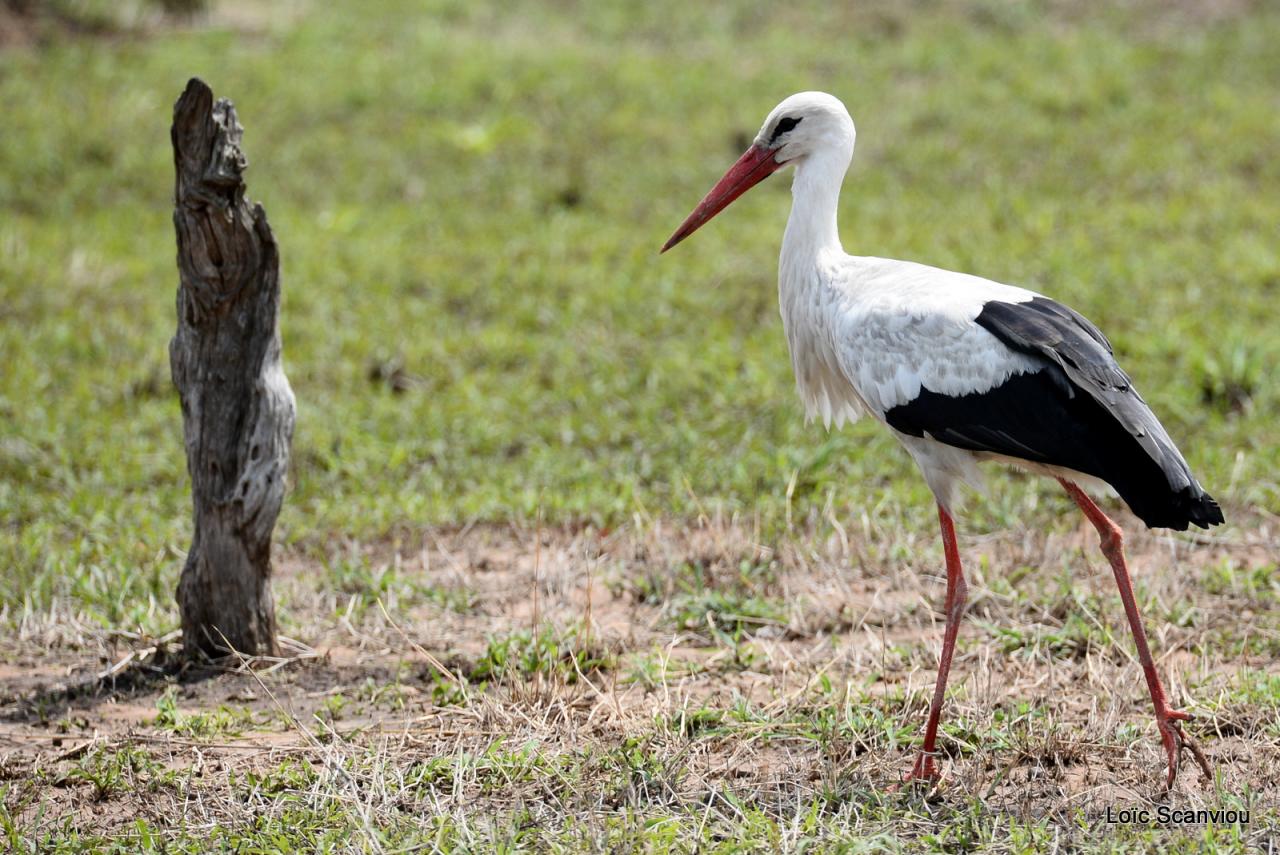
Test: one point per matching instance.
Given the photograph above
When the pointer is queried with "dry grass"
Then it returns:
(584, 688)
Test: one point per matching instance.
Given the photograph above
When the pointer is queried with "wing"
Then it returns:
(1073, 407)
(1084, 357)
(900, 327)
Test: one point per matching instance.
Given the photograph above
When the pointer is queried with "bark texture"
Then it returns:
(237, 407)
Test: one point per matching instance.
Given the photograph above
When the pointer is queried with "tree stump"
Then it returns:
(237, 407)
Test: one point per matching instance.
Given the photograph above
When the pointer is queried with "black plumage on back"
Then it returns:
(1079, 412)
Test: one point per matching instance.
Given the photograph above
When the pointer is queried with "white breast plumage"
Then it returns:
(866, 334)
(808, 303)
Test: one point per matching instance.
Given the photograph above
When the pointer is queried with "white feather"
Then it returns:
(867, 334)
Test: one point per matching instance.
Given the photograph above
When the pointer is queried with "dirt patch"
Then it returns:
(779, 669)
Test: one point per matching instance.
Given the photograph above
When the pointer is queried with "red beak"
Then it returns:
(755, 165)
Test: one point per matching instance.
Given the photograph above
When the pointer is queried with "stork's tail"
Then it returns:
(1199, 507)
(1155, 480)
(1171, 508)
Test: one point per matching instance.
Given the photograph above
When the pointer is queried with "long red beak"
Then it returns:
(755, 165)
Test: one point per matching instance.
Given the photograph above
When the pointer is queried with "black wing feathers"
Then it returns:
(1080, 412)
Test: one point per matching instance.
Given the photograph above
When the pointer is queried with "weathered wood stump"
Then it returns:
(237, 407)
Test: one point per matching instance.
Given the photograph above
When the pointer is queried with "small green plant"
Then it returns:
(655, 667)
(288, 776)
(522, 655)
(111, 771)
(224, 721)
(1254, 582)
(700, 722)
(728, 616)
(1230, 378)
(333, 707)
(446, 692)
(365, 583)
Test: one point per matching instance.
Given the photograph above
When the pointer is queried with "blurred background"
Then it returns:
(469, 199)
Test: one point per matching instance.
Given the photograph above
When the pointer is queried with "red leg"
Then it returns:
(925, 770)
(1166, 718)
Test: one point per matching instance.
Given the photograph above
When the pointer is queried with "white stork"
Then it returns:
(961, 370)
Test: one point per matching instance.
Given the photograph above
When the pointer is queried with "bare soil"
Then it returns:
(1054, 719)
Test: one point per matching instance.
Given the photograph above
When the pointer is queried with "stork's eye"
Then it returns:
(783, 126)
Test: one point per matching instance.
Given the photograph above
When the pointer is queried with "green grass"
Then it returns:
(475, 195)
(224, 721)
(521, 656)
(359, 585)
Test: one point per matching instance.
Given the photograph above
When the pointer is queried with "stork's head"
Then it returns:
(804, 126)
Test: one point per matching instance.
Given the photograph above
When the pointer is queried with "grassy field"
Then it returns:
(503, 390)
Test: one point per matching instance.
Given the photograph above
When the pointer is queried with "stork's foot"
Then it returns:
(924, 774)
(925, 771)
(1175, 741)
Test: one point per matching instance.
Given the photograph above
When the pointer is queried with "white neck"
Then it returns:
(811, 238)
(815, 195)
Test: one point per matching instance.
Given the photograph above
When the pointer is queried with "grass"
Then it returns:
(521, 655)
(469, 199)
(620, 730)
(223, 721)
(495, 184)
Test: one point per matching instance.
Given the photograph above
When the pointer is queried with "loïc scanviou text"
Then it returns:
(1167, 815)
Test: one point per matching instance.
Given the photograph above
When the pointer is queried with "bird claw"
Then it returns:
(923, 774)
(1175, 742)
(925, 771)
